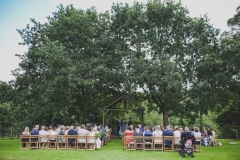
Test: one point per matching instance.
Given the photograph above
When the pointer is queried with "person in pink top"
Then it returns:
(129, 132)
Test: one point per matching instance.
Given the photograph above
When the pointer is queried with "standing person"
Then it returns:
(130, 122)
(118, 125)
(123, 125)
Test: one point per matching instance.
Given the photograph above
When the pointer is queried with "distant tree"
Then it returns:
(230, 81)
(70, 70)
(7, 118)
(164, 50)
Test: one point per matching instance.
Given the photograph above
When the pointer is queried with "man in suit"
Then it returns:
(118, 124)
(71, 132)
(168, 132)
(130, 122)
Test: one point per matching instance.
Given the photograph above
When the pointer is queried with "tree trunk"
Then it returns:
(165, 116)
(82, 115)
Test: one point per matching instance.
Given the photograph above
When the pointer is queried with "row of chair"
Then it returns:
(58, 142)
(156, 143)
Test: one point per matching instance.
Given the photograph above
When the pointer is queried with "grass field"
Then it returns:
(9, 150)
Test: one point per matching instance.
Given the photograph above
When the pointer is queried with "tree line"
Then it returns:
(80, 60)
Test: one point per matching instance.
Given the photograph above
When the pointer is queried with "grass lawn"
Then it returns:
(9, 150)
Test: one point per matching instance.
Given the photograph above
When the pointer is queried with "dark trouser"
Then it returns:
(118, 128)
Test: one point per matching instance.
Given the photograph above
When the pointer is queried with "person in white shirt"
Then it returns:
(197, 134)
(43, 133)
(82, 132)
(52, 132)
(177, 135)
(42, 129)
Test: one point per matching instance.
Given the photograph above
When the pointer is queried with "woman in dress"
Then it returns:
(98, 141)
(128, 132)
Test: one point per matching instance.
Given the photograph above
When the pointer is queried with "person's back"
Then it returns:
(158, 134)
(43, 134)
(35, 132)
(177, 135)
(147, 133)
(168, 132)
(83, 132)
(71, 132)
(137, 132)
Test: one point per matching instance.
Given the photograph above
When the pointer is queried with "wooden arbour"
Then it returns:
(124, 99)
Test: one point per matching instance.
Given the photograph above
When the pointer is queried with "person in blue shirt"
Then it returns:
(167, 132)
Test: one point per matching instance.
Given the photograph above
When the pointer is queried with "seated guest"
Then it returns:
(61, 132)
(35, 132)
(52, 133)
(58, 128)
(197, 134)
(213, 132)
(42, 129)
(137, 132)
(129, 132)
(25, 132)
(158, 133)
(167, 132)
(66, 130)
(43, 133)
(152, 129)
(177, 135)
(141, 128)
(147, 133)
(93, 133)
(71, 132)
(103, 130)
(82, 132)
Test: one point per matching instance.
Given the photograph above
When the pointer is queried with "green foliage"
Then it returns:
(80, 60)
(230, 116)
(230, 54)
(166, 53)
(70, 70)
(7, 118)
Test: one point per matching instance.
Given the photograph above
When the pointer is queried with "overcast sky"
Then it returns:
(16, 14)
